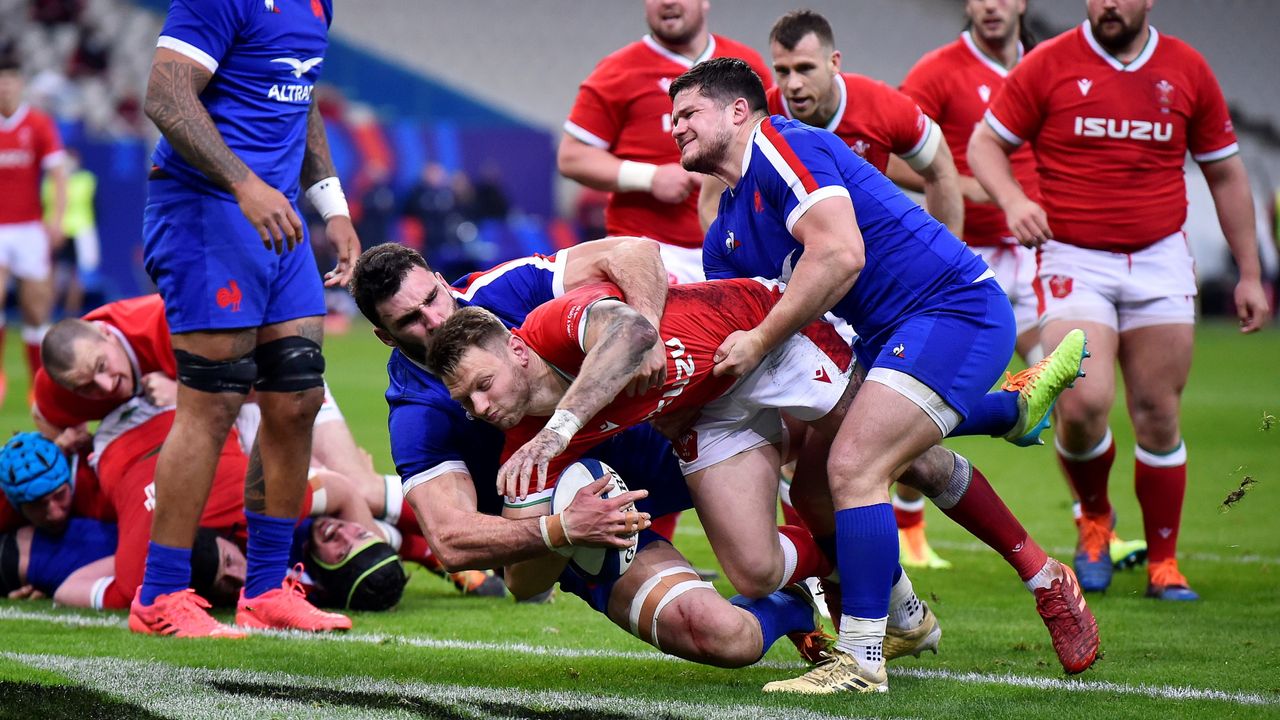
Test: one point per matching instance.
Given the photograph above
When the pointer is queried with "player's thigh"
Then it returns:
(736, 500)
(1156, 361)
(1082, 409)
(882, 434)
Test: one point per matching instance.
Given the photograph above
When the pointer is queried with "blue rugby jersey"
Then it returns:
(265, 56)
(788, 167)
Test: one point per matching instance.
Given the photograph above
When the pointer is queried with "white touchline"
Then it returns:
(193, 693)
(1162, 692)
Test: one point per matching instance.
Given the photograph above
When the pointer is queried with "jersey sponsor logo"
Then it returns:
(685, 367)
(821, 375)
(984, 92)
(16, 158)
(731, 243)
(1060, 286)
(1084, 84)
(290, 93)
(149, 497)
(299, 67)
(229, 296)
(1096, 127)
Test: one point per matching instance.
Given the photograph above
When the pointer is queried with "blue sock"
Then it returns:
(268, 553)
(868, 538)
(995, 414)
(168, 571)
(779, 614)
(897, 575)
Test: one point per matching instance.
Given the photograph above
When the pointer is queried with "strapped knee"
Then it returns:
(216, 376)
(290, 364)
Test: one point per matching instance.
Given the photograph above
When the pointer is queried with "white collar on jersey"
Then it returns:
(677, 58)
(14, 120)
(995, 67)
(835, 119)
(1138, 62)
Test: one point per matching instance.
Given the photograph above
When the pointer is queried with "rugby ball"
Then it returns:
(596, 564)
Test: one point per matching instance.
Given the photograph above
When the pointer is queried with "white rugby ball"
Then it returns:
(593, 563)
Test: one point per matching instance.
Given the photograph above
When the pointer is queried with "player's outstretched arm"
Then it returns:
(635, 266)
(600, 169)
(320, 178)
(1232, 198)
(78, 589)
(173, 104)
(989, 160)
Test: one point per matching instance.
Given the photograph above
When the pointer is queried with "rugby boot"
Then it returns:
(478, 582)
(914, 550)
(1126, 554)
(1039, 386)
(181, 614)
(841, 673)
(814, 646)
(1072, 627)
(925, 636)
(1166, 583)
(286, 608)
(1093, 556)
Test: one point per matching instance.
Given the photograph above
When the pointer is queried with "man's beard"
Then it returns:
(710, 153)
(676, 39)
(1119, 41)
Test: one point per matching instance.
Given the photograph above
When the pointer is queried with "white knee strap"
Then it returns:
(655, 594)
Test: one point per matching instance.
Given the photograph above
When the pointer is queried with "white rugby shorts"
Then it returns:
(1126, 291)
(684, 265)
(24, 250)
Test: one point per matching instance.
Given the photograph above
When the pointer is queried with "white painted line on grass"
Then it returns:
(196, 693)
(1161, 692)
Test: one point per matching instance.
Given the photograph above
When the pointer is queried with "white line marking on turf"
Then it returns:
(1162, 692)
(192, 693)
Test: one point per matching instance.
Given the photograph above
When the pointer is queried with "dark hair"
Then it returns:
(378, 274)
(57, 349)
(9, 63)
(791, 28)
(468, 327)
(205, 559)
(723, 80)
(370, 578)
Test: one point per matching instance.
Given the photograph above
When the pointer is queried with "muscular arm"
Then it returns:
(904, 177)
(617, 339)
(1233, 200)
(58, 173)
(461, 536)
(173, 104)
(989, 160)
(942, 197)
(317, 163)
(77, 589)
(529, 577)
(598, 168)
(633, 264)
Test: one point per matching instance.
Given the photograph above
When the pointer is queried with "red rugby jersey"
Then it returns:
(29, 144)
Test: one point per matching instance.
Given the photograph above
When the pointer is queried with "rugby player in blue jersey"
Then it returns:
(231, 91)
(935, 332)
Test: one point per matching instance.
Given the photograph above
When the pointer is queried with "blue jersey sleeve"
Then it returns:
(202, 30)
(798, 170)
(513, 288)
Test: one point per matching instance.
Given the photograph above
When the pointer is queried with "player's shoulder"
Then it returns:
(866, 89)
(410, 384)
(626, 58)
(1173, 49)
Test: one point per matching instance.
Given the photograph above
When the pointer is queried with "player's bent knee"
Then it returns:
(657, 595)
(289, 364)
(216, 376)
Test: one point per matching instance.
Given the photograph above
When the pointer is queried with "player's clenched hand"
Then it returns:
(652, 373)
(738, 355)
(270, 213)
(159, 389)
(594, 521)
(27, 592)
(516, 473)
(1251, 305)
(74, 439)
(672, 183)
(346, 244)
(1028, 223)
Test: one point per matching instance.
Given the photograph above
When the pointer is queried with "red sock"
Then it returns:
(810, 561)
(982, 512)
(665, 525)
(1161, 482)
(908, 513)
(33, 358)
(414, 548)
(1088, 473)
(790, 516)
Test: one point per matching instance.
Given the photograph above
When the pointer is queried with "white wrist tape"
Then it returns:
(327, 198)
(564, 423)
(555, 534)
(633, 176)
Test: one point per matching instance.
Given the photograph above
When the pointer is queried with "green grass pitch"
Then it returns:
(441, 655)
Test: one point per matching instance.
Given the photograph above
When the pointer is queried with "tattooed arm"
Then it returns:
(317, 165)
(173, 104)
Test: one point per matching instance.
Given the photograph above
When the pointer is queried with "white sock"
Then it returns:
(906, 611)
(1076, 512)
(1042, 579)
(863, 639)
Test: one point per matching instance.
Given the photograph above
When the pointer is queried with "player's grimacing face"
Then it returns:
(416, 311)
(490, 386)
(676, 22)
(995, 21)
(232, 567)
(702, 130)
(103, 370)
(1115, 23)
(332, 539)
(51, 512)
(806, 76)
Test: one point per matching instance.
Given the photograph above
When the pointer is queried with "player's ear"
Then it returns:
(835, 60)
(518, 349)
(384, 336)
